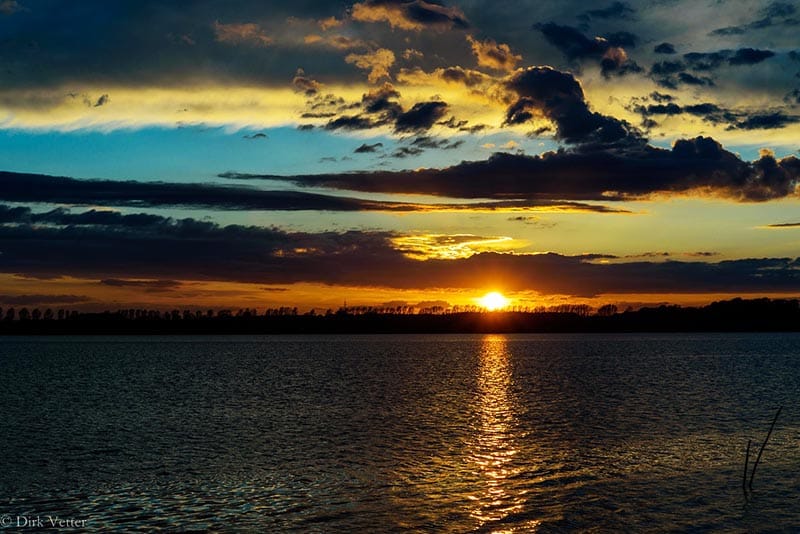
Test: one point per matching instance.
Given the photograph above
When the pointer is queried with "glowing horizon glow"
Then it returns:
(494, 301)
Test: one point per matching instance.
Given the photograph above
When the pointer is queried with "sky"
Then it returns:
(232, 154)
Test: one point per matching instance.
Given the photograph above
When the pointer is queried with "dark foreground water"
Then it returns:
(527, 433)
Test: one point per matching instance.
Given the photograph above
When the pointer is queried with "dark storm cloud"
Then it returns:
(706, 61)
(61, 216)
(714, 114)
(366, 149)
(577, 46)
(691, 79)
(692, 165)
(421, 116)
(48, 189)
(666, 68)
(102, 101)
(661, 97)
(664, 48)
(379, 107)
(765, 121)
(407, 151)
(16, 187)
(674, 73)
(559, 97)
(617, 10)
(623, 39)
(774, 14)
(353, 122)
(749, 56)
(252, 137)
(196, 250)
(431, 142)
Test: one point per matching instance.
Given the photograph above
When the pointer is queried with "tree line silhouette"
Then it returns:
(730, 315)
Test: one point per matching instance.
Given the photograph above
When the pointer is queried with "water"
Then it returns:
(520, 433)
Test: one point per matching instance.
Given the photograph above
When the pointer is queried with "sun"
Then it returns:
(493, 301)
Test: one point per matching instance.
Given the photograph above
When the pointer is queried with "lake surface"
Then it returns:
(482, 433)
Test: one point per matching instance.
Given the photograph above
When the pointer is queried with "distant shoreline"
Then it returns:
(737, 315)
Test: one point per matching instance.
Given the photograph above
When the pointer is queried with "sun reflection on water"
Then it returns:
(495, 444)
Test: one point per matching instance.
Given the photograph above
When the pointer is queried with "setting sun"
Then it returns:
(493, 301)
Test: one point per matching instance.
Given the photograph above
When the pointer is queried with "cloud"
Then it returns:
(62, 216)
(102, 101)
(708, 61)
(377, 63)
(304, 84)
(189, 249)
(407, 151)
(412, 53)
(366, 149)
(379, 107)
(254, 136)
(784, 225)
(699, 166)
(559, 97)
(150, 286)
(617, 10)
(609, 52)
(671, 74)
(431, 142)
(329, 22)
(765, 121)
(415, 15)
(664, 48)
(9, 7)
(337, 42)
(48, 189)
(421, 116)
(773, 14)
(241, 34)
(37, 299)
(470, 78)
(714, 114)
(749, 56)
(450, 246)
(492, 55)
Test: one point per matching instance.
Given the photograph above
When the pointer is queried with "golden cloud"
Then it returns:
(452, 246)
(241, 34)
(377, 63)
(494, 56)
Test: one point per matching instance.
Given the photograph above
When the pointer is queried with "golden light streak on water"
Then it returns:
(494, 447)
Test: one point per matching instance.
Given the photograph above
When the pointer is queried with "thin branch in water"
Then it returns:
(746, 461)
(761, 450)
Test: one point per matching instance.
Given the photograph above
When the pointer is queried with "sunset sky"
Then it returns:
(235, 154)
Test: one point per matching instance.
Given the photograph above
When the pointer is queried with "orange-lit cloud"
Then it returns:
(238, 34)
(493, 55)
(415, 15)
(452, 246)
(377, 63)
(330, 22)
